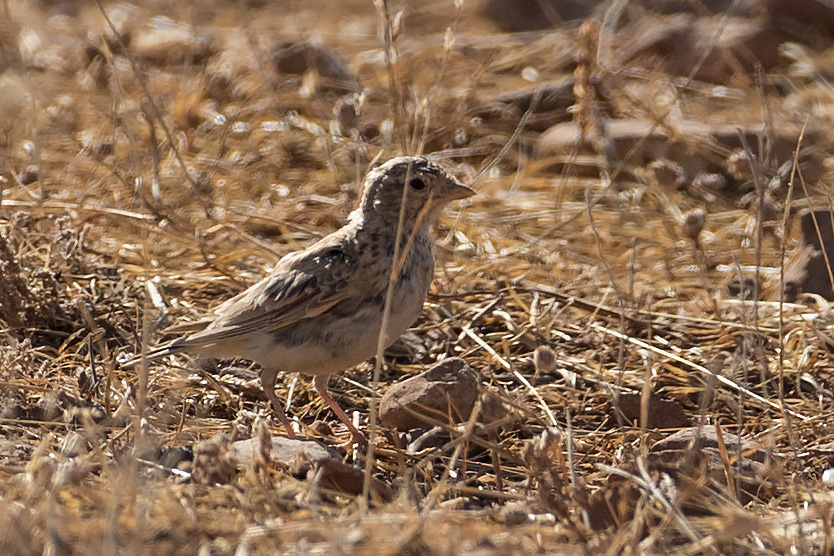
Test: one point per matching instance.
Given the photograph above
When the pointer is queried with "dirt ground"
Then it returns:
(641, 285)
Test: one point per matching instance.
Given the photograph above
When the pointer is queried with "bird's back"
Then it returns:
(321, 309)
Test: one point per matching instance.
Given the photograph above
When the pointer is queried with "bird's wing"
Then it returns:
(302, 285)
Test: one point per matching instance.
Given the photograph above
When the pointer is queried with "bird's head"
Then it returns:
(426, 186)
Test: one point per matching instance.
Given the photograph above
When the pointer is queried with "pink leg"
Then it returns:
(320, 384)
(268, 383)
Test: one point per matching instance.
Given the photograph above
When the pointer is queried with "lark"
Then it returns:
(321, 309)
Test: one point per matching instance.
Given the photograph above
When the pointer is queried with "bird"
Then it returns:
(320, 310)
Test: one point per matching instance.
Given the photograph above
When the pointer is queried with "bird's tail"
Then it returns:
(170, 348)
(154, 354)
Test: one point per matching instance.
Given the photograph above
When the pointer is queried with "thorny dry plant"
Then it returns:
(158, 160)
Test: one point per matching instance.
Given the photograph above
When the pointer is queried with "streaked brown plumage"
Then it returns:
(320, 310)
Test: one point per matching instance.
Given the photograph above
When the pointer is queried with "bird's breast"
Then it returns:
(348, 333)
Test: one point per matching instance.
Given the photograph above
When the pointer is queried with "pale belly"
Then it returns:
(341, 339)
(348, 332)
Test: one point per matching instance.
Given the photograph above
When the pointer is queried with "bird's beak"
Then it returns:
(456, 191)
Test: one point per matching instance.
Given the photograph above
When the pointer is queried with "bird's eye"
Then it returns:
(416, 184)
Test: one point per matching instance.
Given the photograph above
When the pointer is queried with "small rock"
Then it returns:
(74, 445)
(806, 271)
(86, 381)
(447, 391)
(613, 504)
(691, 144)
(413, 346)
(28, 175)
(751, 472)
(668, 174)
(683, 460)
(547, 102)
(166, 42)
(745, 8)
(676, 43)
(346, 114)
(745, 288)
(300, 57)
(544, 360)
(707, 186)
(533, 15)
(714, 183)
(738, 165)
(284, 450)
(693, 223)
(321, 428)
(333, 474)
(101, 148)
(663, 413)
(515, 513)
(175, 456)
(804, 20)
(556, 96)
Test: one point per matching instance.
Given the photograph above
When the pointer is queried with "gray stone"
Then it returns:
(285, 450)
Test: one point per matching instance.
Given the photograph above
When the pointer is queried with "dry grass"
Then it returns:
(149, 175)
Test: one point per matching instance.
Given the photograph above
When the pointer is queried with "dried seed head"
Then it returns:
(693, 223)
(544, 360)
(346, 113)
(714, 183)
(738, 165)
(668, 174)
